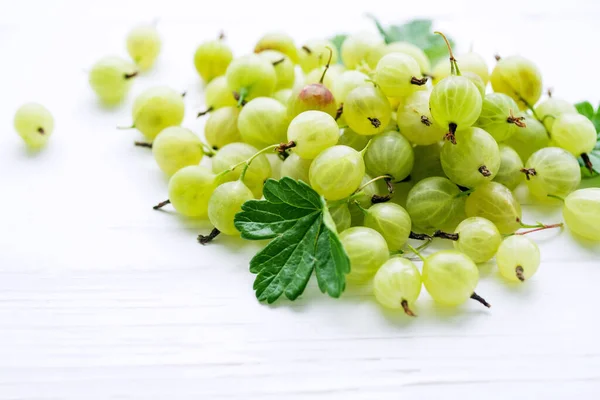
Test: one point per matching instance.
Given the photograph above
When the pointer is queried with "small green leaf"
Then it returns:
(384, 34)
(294, 216)
(585, 108)
(418, 32)
(596, 119)
(337, 41)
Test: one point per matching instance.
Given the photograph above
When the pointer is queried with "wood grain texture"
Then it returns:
(102, 297)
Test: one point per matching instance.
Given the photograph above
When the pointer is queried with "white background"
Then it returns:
(103, 298)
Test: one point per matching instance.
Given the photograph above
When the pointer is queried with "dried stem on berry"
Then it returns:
(587, 162)
(445, 235)
(306, 49)
(426, 121)
(419, 236)
(529, 172)
(201, 113)
(518, 121)
(208, 238)
(161, 204)
(389, 185)
(480, 299)
(451, 131)
(282, 149)
(276, 63)
(131, 75)
(519, 273)
(375, 122)
(143, 144)
(406, 308)
(483, 170)
(376, 199)
(339, 111)
(41, 131)
(419, 82)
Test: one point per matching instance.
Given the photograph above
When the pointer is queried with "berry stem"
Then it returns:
(361, 208)
(208, 238)
(131, 75)
(587, 162)
(161, 204)
(276, 63)
(247, 163)
(480, 299)
(382, 199)
(201, 113)
(406, 308)
(445, 235)
(555, 197)
(464, 193)
(416, 252)
(419, 236)
(208, 151)
(326, 65)
(373, 180)
(540, 228)
(143, 144)
(363, 151)
(390, 186)
(425, 245)
(453, 64)
(241, 97)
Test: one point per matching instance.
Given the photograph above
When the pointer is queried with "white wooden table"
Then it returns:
(103, 298)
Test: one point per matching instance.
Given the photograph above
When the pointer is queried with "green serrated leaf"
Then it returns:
(585, 108)
(294, 216)
(384, 34)
(596, 120)
(437, 49)
(418, 32)
(337, 41)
